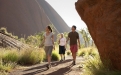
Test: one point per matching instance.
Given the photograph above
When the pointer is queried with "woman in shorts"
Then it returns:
(49, 44)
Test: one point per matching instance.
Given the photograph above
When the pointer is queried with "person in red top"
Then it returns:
(73, 36)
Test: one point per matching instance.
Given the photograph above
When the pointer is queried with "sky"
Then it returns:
(66, 9)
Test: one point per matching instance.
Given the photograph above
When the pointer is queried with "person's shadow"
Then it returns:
(62, 71)
(43, 68)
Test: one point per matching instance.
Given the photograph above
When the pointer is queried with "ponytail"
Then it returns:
(49, 28)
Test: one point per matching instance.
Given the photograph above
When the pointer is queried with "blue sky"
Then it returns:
(66, 9)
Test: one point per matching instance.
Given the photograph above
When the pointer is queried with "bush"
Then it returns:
(10, 56)
(3, 30)
(91, 51)
(94, 66)
(68, 53)
(82, 53)
(35, 39)
(55, 56)
(7, 67)
(31, 57)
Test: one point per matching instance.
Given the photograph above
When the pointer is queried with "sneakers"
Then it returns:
(74, 63)
(61, 60)
(64, 57)
(48, 66)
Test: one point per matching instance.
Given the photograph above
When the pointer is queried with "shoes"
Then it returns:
(48, 66)
(74, 63)
(61, 60)
(64, 58)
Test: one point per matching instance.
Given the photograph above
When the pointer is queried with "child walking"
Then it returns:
(62, 43)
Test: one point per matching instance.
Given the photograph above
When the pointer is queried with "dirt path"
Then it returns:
(58, 68)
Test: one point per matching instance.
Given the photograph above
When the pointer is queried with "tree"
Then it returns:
(86, 36)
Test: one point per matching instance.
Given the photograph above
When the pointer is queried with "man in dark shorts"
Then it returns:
(73, 36)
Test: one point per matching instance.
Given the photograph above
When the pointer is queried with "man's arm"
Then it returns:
(79, 43)
(67, 40)
(78, 39)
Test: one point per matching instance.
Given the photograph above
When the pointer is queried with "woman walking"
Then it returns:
(62, 43)
(49, 44)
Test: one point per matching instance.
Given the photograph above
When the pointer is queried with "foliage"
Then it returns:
(90, 51)
(35, 39)
(10, 56)
(68, 52)
(30, 56)
(55, 56)
(4, 31)
(94, 66)
(86, 36)
(7, 67)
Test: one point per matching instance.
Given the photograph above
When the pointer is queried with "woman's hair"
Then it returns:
(49, 28)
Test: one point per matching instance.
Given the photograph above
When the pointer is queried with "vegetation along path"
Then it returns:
(58, 68)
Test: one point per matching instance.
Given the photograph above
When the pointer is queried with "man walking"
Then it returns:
(73, 36)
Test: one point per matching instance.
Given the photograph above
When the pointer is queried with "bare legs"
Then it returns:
(62, 56)
(49, 59)
(74, 58)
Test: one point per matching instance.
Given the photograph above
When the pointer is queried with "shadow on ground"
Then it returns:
(42, 68)
(62, 71)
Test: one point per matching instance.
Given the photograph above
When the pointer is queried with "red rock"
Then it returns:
(103, 19)
(26, 17)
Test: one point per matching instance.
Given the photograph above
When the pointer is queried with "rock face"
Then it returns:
(26, 17)
(7, 41)
(103, 19)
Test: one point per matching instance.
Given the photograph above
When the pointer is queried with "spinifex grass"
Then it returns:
(31, 56)
(55, 56)
(94, 66)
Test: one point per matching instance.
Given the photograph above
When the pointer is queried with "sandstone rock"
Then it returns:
(103, 19)
(7, 41)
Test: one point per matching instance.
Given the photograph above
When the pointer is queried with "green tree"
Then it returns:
(86, 36)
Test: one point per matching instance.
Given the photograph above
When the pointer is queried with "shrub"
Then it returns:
(91, 51)
(68, 53)
(30, 57)
(3, 30)
(10, 56)
(55, 56)
(82, 53)
(94, 66)
(7, 67)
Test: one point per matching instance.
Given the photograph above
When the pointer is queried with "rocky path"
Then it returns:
(58, 68)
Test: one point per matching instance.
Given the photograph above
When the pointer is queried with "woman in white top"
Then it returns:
(49, 44)
(62, 43)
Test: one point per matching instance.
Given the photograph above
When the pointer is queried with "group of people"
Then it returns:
(48, 42)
